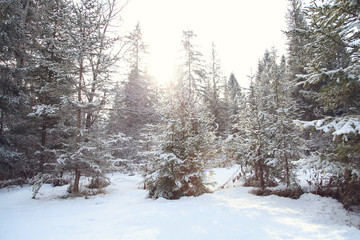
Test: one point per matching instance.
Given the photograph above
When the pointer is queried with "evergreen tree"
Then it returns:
(192, 71)
(186, 135)
(334, 67)
(133, 106)
(254, 125)
(17, 28)
(181, 149)
(212, 90)
(298, 37)
(34, 64)
(52, 82)
(334, 59)
(286, 142)
(236, 102)
(267, 127)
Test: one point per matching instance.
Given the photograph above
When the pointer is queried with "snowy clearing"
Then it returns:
(126, 213)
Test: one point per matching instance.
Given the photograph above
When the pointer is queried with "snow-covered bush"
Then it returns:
(98, 182)
(344, 150)
(171, 178)
(333, 168)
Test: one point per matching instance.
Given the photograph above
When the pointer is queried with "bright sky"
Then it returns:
(240, 29)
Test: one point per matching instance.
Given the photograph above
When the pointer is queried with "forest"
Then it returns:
(66, 114)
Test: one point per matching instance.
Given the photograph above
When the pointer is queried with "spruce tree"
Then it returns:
(133, 106)
(52, 80)
(236, 102)
(212, 91)
(334, 67)
(297, 38)
(286, 142)
(266, 126)
(186, 134)
(254, 124)
(33, 73)
(17, 27)
(334, 59)
(192, 70)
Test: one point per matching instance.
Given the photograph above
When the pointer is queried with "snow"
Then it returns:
(125, 212)
(43, 109)
(338, 126)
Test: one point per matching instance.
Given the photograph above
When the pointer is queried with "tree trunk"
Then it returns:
(77, 181)
(79, 98)
(89, 115)
(43, 143)
(2, 122)
(261, 174)
(287, 172)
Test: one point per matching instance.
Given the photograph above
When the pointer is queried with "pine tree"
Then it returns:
(133, 107)
(267, 126)
(334, 67)
(52, 82)
(286, 141)
(181, 149)
(334, 59)
(212, 90)
(26, 67)
(192, 71)
(16, 29)
(254, 126)
(298, 37)
(186, 134)
(236, 102)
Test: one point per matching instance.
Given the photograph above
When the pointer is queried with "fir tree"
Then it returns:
(17, 28)
(181, 150)
(186, 134)
(133, 107)
(286, 142)
(334, 59)
(267, 126)
(192, 71)
(212, 90)
(334, 67)
(236, 102)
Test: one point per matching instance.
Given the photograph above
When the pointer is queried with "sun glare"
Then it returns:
(162, 65)
(163, 52)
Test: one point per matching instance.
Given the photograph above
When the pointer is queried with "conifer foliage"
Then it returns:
(330, 69)
(134, 103)
(267, 135)
(186, 134)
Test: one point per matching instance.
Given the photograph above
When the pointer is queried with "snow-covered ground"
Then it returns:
(126, 213)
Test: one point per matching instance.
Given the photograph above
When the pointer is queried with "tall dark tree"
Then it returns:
(298, 36)
(52, 80)
(334, 59)
(334, 67)
(17, 29)
(133, 107)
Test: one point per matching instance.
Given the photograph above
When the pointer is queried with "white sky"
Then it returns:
(241, 30)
